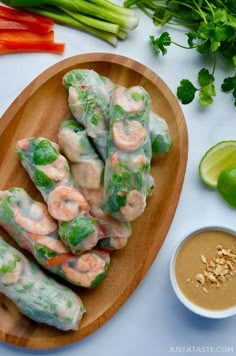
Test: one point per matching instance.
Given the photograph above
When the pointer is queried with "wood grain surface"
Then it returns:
(37, 111)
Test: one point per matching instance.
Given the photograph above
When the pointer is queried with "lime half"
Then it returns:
(218, 158)
(226, 186)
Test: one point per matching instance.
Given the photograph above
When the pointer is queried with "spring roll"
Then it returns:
(38, 296)
(31, 226)
(87, 89)
(96, 89)
(127, 168)
(88, 170)
(50, 172)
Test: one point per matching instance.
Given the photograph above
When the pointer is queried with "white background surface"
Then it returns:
(152, 322)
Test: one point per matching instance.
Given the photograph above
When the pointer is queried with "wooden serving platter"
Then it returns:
(37, 111)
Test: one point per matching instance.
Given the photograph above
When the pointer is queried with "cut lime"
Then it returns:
(218, 158)
(226, 186)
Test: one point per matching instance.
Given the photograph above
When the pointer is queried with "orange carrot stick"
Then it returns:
(58, 260)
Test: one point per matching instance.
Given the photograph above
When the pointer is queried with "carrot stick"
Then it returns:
(58, 260)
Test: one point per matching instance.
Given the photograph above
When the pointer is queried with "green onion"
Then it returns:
(64, 19)
(122, 34)
(101, 25)
(127, 22)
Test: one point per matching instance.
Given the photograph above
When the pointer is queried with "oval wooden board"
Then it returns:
(37, 111)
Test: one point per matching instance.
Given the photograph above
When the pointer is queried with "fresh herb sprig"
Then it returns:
(186, 90)
(229, 85)
(213, 25)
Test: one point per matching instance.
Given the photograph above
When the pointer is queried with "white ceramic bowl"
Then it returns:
(216, 314)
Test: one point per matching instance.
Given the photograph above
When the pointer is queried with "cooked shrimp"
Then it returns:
(14, 275)
(87, 268)
(36, 220)
(128, 134)
(65, 203)
(57, 170)
(135, 205)
(88, 173)
(130, 100)
(50, 243)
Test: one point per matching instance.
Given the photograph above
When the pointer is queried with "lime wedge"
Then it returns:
(218, 158)
(226, 186)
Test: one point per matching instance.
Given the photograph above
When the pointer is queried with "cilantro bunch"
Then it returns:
(213, 29)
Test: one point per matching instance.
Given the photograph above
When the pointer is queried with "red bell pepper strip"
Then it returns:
(26, 36)
(24, 17)
(17, 47)
(14, 25)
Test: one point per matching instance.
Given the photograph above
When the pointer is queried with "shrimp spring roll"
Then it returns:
(127, 167)
(36, 295)
(90, 93)
(86, 88)
(50, 172)
(88, 170)
(29, 223)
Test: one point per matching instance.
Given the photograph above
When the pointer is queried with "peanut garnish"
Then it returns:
(203, 258)
(200, 278)
(218, 270)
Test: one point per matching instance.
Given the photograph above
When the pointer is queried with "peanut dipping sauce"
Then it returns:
(189, 264)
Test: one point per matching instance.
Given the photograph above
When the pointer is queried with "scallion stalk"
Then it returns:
(127, 22)
(122, 34)
(87, 20)
(64, 19)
